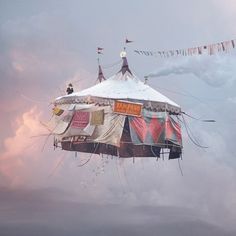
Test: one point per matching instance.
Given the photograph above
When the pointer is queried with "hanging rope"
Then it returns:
(39, 135)
(192, 138)
(47, 136)
(45, 142)
(180, 168)
(119, 176)
(154, 153)
(112, 65)
(209, 121)
(32, 100)
(89, 157)
(60, 162)
(182, 94)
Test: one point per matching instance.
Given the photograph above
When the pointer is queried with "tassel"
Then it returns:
(199, 50)
(223, 47)
(233, 45)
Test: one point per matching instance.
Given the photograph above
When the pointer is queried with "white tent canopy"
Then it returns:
(123, 86)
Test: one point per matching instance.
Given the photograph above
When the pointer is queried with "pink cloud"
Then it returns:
(21, 147)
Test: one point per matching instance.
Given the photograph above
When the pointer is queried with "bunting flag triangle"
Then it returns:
(128, 41)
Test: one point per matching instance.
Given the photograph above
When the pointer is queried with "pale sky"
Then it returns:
(46, 44)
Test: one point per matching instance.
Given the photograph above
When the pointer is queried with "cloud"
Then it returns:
(26, 126)
(43, 49)
(20, 148)
(216, 71)
(50, 212)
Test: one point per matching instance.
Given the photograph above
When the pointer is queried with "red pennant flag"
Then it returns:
(99, 50)
(128, 41)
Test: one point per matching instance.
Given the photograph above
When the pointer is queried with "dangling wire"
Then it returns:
(119, 176)
(47, 137)
(192, 138)
(89, 157)
(60, 162)
(131, 189)
(112, 64)
(45, 142)
(154, 153)
(32, 100)
(212, 121)
(86, 161)
(39, 136)
(180, 168)
(179, 93)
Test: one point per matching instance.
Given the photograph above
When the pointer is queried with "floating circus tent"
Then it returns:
(120, 116)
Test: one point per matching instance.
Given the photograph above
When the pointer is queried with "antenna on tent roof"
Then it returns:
(125, 65)
(145, 79)
(101, 77)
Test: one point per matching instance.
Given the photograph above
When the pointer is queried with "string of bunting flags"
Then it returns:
(210, 49)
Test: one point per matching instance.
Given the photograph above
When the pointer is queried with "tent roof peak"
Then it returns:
(125, 66)
(101, 76)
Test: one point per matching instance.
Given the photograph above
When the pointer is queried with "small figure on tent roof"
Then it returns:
(70, 89)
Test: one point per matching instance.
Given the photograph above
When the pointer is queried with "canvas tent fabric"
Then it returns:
(80, 124)
(122, 86)
(173, 131)
(100, 126)
(108, 133)
(155, 130)
(111, 131)
(83, 120)
(90, 123)
(145, 130)
(125, 86)
(80, 119)
(58, 124)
